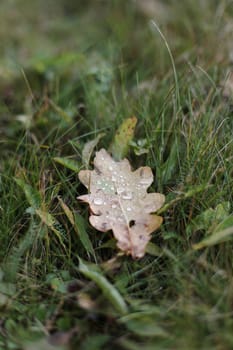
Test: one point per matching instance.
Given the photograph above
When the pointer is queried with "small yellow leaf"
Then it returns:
(119, 147)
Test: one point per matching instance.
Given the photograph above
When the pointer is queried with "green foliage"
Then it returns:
(68, 163)
(109, 291)
(71, 72)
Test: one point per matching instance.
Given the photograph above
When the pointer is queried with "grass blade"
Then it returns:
(68, 163)
(79, 226)
(110, 292)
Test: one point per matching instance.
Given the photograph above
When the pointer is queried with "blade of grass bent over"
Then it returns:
(109, 291)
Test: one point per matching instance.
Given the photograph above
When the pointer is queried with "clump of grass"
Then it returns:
(176, 297)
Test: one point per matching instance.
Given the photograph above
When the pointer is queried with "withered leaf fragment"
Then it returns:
(119, 202)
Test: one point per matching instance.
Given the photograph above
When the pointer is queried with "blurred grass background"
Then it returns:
(70, 70)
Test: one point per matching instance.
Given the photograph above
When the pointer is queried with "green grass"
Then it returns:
(68, 73)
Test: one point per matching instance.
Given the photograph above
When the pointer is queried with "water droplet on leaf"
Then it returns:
(120, 190)
(145, 181)
(127, 195)
(98, 201)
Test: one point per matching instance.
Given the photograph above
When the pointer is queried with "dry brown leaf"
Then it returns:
(119, 202)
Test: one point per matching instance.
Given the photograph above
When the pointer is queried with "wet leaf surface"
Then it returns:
(119, 202)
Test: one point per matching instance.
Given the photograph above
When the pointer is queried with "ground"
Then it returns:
(72, 72)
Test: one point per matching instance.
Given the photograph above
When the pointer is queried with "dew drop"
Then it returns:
(110, 168)
(98, 201)
(145, 181)
(114, 206)
(127, 195)
(129, 209)
(113, 179)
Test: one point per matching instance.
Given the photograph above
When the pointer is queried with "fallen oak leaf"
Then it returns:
(119, 202)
